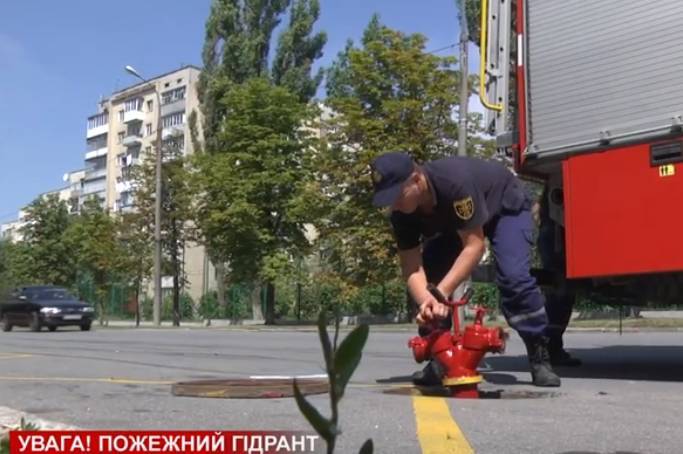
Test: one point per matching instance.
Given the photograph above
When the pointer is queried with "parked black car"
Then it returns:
(39, 306)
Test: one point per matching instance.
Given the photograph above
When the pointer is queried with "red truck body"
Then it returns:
(585, 97)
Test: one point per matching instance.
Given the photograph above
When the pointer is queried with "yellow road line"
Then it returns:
(437, 432)
(132, 381)
(14, 355)
(118, 381)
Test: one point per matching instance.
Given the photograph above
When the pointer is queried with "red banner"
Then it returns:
(139, 442)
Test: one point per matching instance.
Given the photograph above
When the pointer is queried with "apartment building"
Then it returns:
(123, 132)
(97, 136)
(69, 193)
(11, 231)
(134, 114)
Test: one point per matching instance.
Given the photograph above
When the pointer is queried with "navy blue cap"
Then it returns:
(389, 172)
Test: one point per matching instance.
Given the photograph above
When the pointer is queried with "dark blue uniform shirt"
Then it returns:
(469, 193)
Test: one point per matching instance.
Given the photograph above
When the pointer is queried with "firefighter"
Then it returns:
(560, 298)
(441, 212)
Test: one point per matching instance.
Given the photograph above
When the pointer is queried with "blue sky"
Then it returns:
(57, 58)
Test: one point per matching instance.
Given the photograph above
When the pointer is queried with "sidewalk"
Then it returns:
(654, 320)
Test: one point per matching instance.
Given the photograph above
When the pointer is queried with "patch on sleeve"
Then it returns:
(464, 208)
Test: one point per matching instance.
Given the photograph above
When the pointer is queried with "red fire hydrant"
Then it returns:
(459, 353)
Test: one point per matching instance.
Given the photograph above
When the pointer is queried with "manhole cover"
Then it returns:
(248, 388)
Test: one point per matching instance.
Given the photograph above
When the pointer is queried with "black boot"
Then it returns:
(562, 358)
(539, 359)
(559, 356)
(431, 375)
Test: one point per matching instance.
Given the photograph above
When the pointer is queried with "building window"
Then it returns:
(148, 151)
(174, 95)
(121, 115)
(174, 119)
(120, 136)
(150, 105)
(134, 130)
(166, 98)
(179, 81)
(133, 104)
(148, 129)
(98, 120)
(175, 144)
(127, 199)
(96, 143)
(127, 173)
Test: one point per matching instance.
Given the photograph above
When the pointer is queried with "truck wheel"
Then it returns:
(86, 326)
(52, 328)
(35, 325)
(5, 324)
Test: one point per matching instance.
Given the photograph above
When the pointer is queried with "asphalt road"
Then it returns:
(627, 398)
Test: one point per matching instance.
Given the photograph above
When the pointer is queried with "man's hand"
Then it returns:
(431, 310)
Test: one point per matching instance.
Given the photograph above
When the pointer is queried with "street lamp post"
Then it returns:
(156, 308)
(464, 75)
(462, 129)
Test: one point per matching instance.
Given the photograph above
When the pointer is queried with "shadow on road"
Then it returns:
(395, 380)
(597, 452)
(623, 362)
(496, 378)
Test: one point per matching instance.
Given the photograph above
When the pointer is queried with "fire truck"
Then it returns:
(587, 97)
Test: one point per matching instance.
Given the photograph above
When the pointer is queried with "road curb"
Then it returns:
(644, 329)
(11, 419)
(378, 327)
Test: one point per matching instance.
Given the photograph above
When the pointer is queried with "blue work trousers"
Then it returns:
(511, 238)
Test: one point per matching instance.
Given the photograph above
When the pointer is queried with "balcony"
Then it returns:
(132, 116)
(97, 125)
(100, 195)
(124, 186)
(132, 140)
(173, 107)
(127, 163)
(127, 171)
(93, 188)
(95, 174)
(96, 153)
(121, 208)
(97, 131)
(171, 132)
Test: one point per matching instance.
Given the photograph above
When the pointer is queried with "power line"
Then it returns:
(441, 49)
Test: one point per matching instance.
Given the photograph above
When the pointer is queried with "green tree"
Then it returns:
(388, 94)
(298, 49)
(473, 11)
(236, 48)
(48, 259)
(176, 206)
(252, 208)
(93, 240)
(236, 56)
(175, 217)
(17, 260)
(137, 240)
(6, 281)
